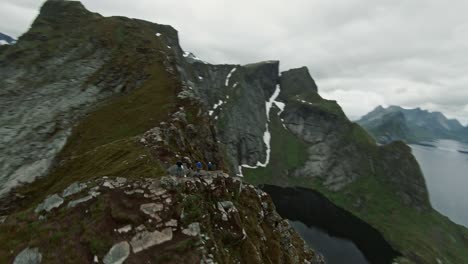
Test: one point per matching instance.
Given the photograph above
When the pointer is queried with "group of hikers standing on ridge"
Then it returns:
(198, 166)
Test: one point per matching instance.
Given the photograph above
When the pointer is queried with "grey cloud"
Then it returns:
(361, 52)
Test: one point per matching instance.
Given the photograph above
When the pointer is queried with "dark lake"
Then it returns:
(445, 169)
(337, 234)
(334, 249)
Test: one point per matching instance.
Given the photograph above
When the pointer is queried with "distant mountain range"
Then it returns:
(6, 40)
(411, 125)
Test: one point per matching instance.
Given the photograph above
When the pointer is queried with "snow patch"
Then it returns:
(272, 100)
(200, 78)
(305, 102)
(228, 77)
(192, 56)
(281, 107)
(267, 134)
(3, 42)
(220, 103)
(158, 34)
(216, 106)
(282, 123)
(169, 47)
(235, 85)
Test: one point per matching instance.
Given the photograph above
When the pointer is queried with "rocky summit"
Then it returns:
(207, 219)
(96, 112)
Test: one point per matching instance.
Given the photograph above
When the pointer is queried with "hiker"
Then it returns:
(199, 167)
(210, 166)
(180, 168)
(188, 163)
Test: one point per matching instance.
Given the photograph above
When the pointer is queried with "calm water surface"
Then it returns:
(335, 250)
(446, 172)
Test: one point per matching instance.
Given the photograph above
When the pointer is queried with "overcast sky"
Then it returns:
(362, 53)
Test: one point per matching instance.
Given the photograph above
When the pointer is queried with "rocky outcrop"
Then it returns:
(177, 221)
(28, 256)
(295, 82)
(234, 97)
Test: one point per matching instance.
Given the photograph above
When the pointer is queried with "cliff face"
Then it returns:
(102, 112)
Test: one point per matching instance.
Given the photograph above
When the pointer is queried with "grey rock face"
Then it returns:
(234, 97)
(49, 203)
(40, 107)
(409, 183)
(145, 239)
(330, 155)
(28, 256)
(74, 188)
(79, 201)
(118, 253)
(296, 82)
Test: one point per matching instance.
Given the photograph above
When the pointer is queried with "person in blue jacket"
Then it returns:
(199, 167)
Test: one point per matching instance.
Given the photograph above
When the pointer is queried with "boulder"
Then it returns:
(118, 253)
(124, 229)
(152, 209)
(192, 230)
(171, 223)
(78, 201)
(169, 182)
(49, 203)
(73, 189)
(28, 256)
(145, 239)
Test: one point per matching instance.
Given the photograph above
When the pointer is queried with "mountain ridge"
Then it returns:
(414, 125)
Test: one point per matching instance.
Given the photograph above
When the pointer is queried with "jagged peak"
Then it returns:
(379, 108)
(63, 12)
(297, 81)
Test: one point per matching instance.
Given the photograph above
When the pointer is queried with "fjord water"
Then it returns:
(445, 169)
